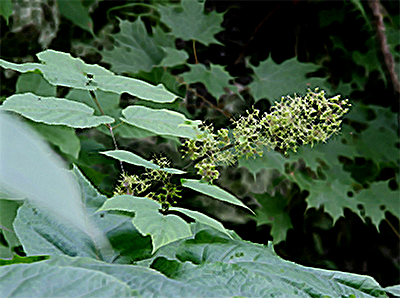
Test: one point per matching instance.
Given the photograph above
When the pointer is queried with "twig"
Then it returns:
(390, 72)
(194, 52)
(94, 97)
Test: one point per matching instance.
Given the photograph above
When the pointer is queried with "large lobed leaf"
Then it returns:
(189, 22)
(61, 69)
(54, 111)
(210, 265)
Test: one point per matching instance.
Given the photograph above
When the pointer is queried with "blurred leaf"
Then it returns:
(272, 81)
(34, 82)
(162, 122)
(61, 136)
(6, 9)
(77, 13)
(61, 69)
(188, 21)
(215, 79)
(274, 211)
(269, 160)
(213, 191)
(56, 111)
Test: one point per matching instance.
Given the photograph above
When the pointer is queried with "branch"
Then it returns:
(390, 72)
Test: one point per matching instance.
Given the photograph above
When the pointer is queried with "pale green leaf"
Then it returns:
(202, 218)
(77, 13)
(269, 160)
(60, 69)
(213, 191)
(163, 229)
(8, 212)
(189, 22)
(55, 111)
(215, 79)
(272, 81)
(162, 122)
(174, 57)
(129, 204)
(132, 158)
(41, 279)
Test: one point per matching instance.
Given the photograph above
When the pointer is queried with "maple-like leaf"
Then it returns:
(215, 79)
(134, 49)
(273, 211)
(189, 22)
(272, 81)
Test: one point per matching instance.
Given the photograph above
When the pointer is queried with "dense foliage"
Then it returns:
(180, 124)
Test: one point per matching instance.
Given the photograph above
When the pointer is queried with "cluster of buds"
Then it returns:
(292, 122)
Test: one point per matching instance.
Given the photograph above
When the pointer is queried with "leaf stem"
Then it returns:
(194, 51)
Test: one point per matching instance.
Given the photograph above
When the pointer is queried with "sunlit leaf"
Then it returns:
(56, 111)
(162, 122)
(213, 191)
(132, 158)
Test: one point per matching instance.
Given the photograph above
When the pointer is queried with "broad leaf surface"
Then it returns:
(162, 122)
(45, 280)
(213, 191)
(189, 22)
(61, 69)
(272, 81)
(55, 111)
(132, 158)
(162, 229)
(215, 79)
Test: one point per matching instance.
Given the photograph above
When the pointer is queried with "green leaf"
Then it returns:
(213, 191)
(189, 22)
(61, 136)
(202, 218)
(35, 83)
(77, 13)
(163, 229)
(377, 200)
(228, 267)
(132, 158)
(134, 49)
(42, 233)
(174, 57)
(274, 211)
(23, 260)
(8, 212)
(60, 69)
(215, 79)
(272, 81)
(41, 279)
(6, 9)
(162, 122)
(55, 111)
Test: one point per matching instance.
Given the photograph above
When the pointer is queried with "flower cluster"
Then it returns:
(291, 123)
(136, 185)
